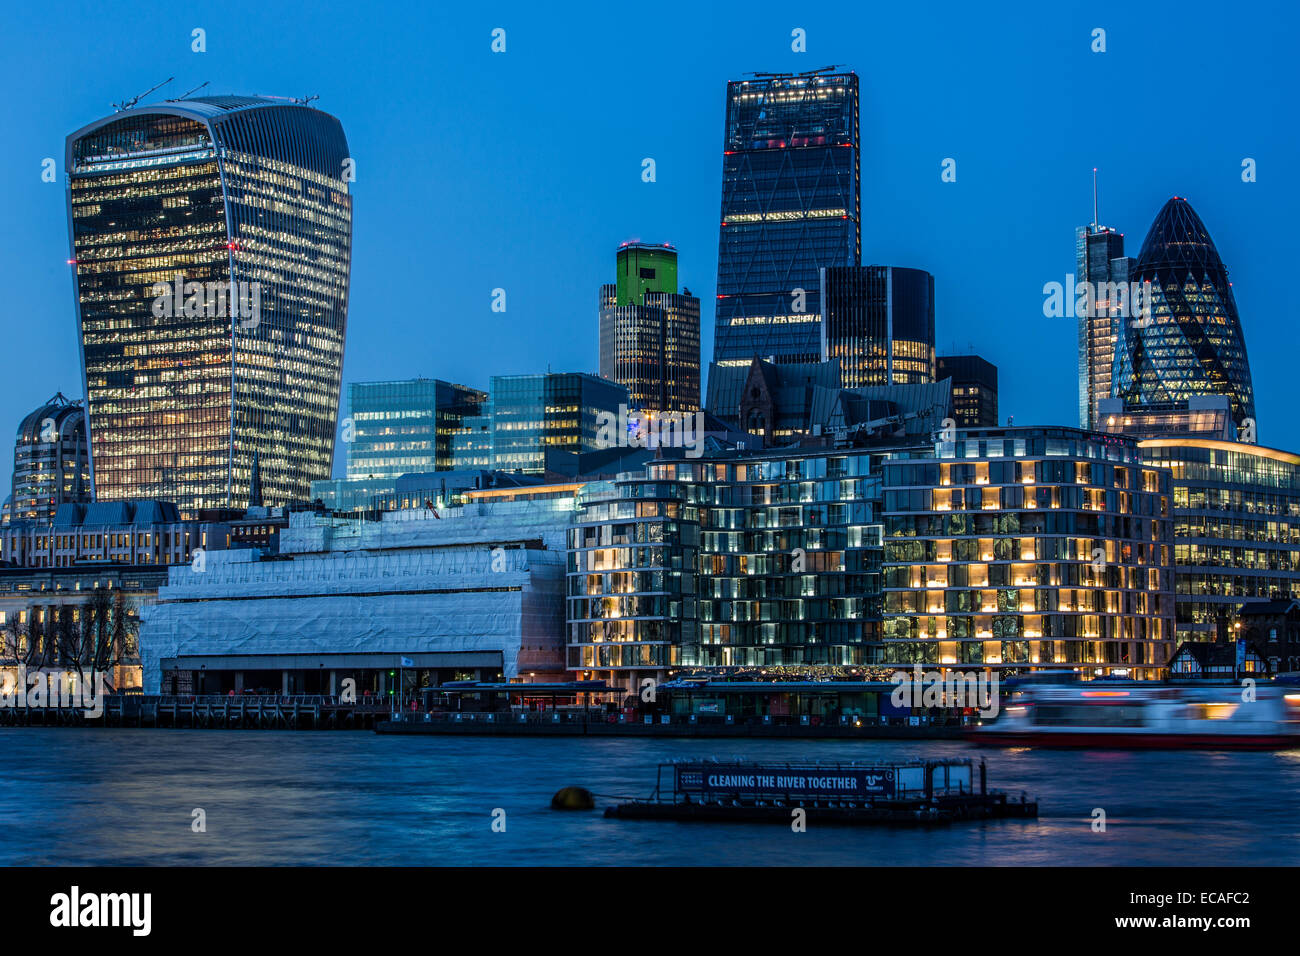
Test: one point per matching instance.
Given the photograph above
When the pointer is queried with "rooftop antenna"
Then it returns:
(1095, 225)
(186, 95)
(127, 104)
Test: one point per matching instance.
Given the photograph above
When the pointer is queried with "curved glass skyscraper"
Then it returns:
(1191, 344)
(212, 244)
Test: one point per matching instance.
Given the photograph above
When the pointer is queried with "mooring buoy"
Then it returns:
(573, 798)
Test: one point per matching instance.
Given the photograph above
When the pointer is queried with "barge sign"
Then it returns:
(722, 780)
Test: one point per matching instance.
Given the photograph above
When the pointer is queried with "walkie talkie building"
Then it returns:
(790, 207)
(211, 239)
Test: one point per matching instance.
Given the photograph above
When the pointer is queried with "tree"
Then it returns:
(93, 638)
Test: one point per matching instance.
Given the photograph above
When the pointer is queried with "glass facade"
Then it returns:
(407, 426)
(471, 445)
(536, 414)
(51, 463)
(1205, 416)
(1029, 549)
(750, 561)
(790, 206)
(1192, 343)
(1236, 527)
(650, 334)
(878, 322)
(1099, 260)
(212, 243)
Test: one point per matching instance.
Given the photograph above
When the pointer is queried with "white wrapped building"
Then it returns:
(476, 593)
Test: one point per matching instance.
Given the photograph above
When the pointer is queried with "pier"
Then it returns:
(915, 793)
(597, 723)
(212, 712)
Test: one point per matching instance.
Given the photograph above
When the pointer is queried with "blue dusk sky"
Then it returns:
(522, 170)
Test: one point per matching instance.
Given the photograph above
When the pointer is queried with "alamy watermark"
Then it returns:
(53, 688)
(1086, 300)
(236, 300)
(651, 430)
(950, 689)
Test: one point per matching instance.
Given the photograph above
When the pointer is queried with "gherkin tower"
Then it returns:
(1191, 342)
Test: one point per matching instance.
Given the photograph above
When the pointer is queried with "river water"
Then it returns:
(127, 797)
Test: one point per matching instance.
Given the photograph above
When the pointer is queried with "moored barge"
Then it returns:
(914, 793)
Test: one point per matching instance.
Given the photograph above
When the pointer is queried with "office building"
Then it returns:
(211, 245)
(1101, 306)
(777, 405)
(878, 323)
(1192, 342)
(51, 463)
(790, 206)
(136, 533)
(1236, 514)
(650, 334)
(95, 566)
(554, 413)
(974, 389)
(401, 427)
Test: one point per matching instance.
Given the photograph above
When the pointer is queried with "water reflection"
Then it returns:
(127, 797)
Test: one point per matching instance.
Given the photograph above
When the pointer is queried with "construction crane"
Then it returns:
(186, 95)
(127, 104)
(820, 69)
(300, 100)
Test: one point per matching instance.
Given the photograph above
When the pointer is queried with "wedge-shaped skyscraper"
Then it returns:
(211, 239)
(791, 205)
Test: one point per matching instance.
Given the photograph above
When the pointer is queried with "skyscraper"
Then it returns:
(649, 334)
(51, 464)
(790, 206)
(406, 426)
(878, 321)
(211, 239)
(1100, 261)
(1192, 343)
(974, 389)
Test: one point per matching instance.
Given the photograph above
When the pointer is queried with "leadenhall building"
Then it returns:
(211, 244)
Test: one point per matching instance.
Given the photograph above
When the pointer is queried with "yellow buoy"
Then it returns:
(573, 798)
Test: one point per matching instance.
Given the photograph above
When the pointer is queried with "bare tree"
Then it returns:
(95, 637)
(106, 638)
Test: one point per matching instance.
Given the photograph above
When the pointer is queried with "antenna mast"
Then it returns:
(1095, 225)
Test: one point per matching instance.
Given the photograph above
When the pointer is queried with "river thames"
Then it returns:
(128, 797)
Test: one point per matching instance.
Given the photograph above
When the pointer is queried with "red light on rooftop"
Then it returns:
(72, 262)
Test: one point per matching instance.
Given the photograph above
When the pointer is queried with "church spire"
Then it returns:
(255, 482)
